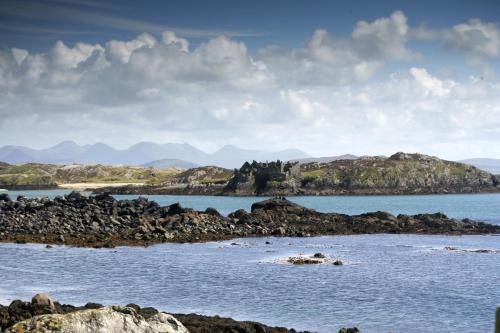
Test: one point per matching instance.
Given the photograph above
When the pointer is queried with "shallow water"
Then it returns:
(397, 283)
(484, 207)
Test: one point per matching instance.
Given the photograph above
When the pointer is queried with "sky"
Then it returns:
(326, 77)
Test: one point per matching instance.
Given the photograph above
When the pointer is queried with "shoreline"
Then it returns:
(189, 190)
(103, 221)
(18, 314)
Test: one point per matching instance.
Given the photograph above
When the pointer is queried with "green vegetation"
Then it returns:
(203, 175)
(405, 171)
(51, 175)
(314, 173)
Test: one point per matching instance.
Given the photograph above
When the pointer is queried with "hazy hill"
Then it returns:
(488, 164)
(325, 159)
(69, 152)
(170, 163)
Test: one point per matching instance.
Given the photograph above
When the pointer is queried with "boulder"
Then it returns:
(212, 211)
(349, 330)
(238, 214)
(113, 319)
(5, 197)
(175, 209)
(44, 300)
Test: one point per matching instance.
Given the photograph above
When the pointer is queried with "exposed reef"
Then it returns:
(103, 221)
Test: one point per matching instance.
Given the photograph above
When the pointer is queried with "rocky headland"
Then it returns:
(103, 221)
(43, 314)
(400, 173)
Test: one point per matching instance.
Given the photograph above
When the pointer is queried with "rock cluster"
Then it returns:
(23, 317)
(317, 258)
(103, 320)
(102, 220)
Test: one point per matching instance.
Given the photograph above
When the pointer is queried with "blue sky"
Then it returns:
(363, 77)
(258, 23)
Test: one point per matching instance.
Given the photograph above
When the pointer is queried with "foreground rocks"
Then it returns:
(24, 317)
(103, 221)
(103, 320)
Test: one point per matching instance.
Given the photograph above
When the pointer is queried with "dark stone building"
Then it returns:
(259, 174)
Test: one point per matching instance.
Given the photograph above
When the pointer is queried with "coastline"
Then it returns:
(216, 190)
(102, 221)
(43, 309)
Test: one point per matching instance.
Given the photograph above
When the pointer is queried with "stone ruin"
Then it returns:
(259, 173)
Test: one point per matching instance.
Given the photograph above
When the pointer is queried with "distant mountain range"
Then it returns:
(144, 153)
(177, 155)
(326, 159)
(170, 163)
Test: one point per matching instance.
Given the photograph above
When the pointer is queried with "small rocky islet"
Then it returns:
(103, 221)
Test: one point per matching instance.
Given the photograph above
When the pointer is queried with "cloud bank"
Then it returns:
(368, 92)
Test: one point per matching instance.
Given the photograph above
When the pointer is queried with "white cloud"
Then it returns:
(19, 55)
(327, 60)
(332, 95)
(431, 84)
(121, 51)
(475, 37)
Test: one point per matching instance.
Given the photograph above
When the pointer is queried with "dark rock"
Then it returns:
(238, 214)
(148, 312)
(91, 305)
(204, 324)
(19, 311)
(175, 209)
(212, 211)
(102, 221)
(349, 330)
(5, 197)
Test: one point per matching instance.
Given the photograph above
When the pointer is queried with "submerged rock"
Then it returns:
(304, 261)
(103, 320)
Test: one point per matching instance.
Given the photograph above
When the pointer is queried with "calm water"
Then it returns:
(397, 283)
(484, 207)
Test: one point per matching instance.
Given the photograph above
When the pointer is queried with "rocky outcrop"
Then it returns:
(103, 320)
(401, 173)
(102, 220)
(203, 324)
(24, 317)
